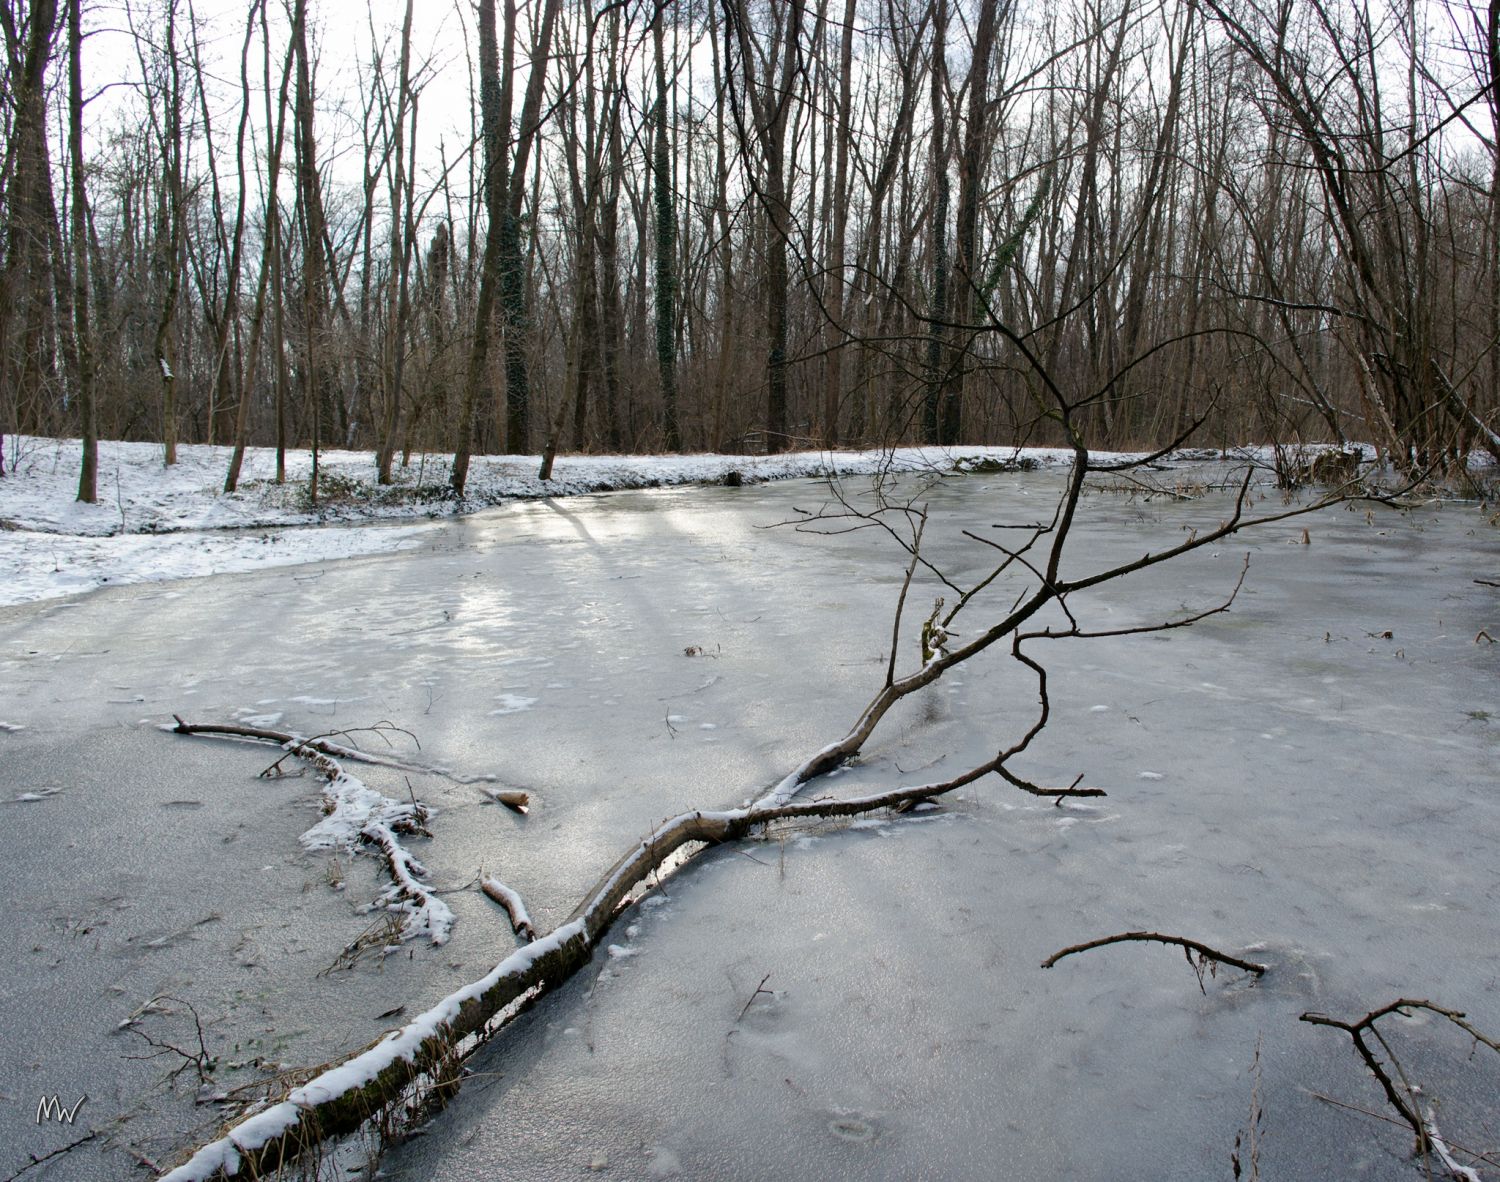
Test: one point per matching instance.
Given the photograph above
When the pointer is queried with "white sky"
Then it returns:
(344, 34)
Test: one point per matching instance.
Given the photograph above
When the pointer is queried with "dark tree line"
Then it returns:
(727, 224)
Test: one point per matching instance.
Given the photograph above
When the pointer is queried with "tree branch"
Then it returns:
(1183, 942)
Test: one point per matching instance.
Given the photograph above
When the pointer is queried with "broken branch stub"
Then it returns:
(513, 905)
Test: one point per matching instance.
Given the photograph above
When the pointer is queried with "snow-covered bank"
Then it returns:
(51, 545)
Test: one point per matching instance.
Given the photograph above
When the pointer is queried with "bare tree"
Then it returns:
(270, 264)
(666, 245)
(88, 469)
(317, 359)
(28, 324)
(1376, 206)
(402, 231)
(761, 93)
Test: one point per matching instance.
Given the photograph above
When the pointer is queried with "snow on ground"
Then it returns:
(51, 545)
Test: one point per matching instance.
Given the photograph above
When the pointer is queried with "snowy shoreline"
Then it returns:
(153, 523)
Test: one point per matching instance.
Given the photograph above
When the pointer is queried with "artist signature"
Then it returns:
(51, 1108)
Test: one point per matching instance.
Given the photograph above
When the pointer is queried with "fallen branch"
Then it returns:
(321, 744)
(38, 1159)
(410, 1066)
(425, 914)
(200, 1060)
(1189, 947)
(354, 814)
(759, 989)
(514, 905)
(1421, 1124)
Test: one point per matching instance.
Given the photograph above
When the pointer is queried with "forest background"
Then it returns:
(749, 225)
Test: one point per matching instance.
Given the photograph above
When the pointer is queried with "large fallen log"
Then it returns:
(410, 1068)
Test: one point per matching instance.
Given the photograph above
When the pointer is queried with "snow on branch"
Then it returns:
(513, 904)
(407, 1066)
(424, 914)
(356, 815)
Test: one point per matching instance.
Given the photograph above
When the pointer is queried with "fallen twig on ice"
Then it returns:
(354, 814)
(1404, 1099)
(1189, 947)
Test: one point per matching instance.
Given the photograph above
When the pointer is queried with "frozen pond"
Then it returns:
(1312, 775)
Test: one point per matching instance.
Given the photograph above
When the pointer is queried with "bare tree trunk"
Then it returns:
(666, 249)
(937, 307)
(833, 373)
(270, 263)
(612, 311)
(494, 105)
(770, 103)
(26, 310)
(88, 472)
(966, 278)
(171, 239)
(727, 342)
(398, 305)
(222, 317)
(318, 359)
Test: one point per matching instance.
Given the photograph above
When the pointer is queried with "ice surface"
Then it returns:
(153, 523)
(908, 1031)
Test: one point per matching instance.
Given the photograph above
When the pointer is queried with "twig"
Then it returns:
(320, 744)
(759, 989)
(1250, 1139)
(68, 1148)
(916, 550)
(1182, 942)
(1370, 1112)
(1406, 1105)
(201, 1061)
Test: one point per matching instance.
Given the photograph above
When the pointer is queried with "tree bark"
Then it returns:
(88, 472)
(317, 358)
(666, 249)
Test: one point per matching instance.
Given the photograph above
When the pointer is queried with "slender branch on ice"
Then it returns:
(1182, 942)
(916, 550)
(1405, 1104)
(321, 744)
